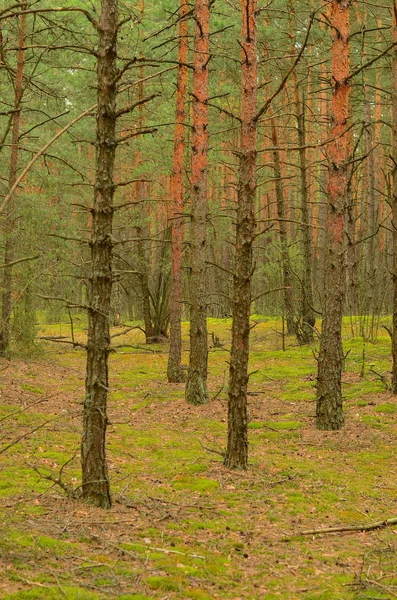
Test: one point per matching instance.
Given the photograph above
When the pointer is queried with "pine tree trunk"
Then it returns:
(237, 441)
(307, 313)
(394, 197)
(371, 212)
(143, 269)
(142, 227)
(10, 221)
(306, 328)
(196, 384)
(282, 223)
(95, 479)
(175, 372)
(329, 410)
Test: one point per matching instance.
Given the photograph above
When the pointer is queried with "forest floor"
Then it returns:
(182, 525)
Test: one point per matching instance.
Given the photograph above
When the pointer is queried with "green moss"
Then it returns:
(32, 388)
(373, 421)
(386, 408)
(52, 593)
(166, 584)
(196, 485)
(196, 594)
(134, 597)
(281, 425)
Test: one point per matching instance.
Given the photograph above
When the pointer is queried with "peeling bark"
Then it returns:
(196, 384)
(329, 409)
(175, 372)
(10, 221)
(394, 197)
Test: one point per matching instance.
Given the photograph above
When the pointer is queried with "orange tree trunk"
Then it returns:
(174, 370)
(196, 385)
(95, 480)
(329, 410)
(237, 442)
(10, 220)
(394, 198)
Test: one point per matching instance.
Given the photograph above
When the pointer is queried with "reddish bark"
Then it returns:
(196, 384)
(10, 219)
(174, 371)
(329, 411)
(394, 197)
(237, 442)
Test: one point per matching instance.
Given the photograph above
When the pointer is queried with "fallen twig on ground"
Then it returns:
(345, 529)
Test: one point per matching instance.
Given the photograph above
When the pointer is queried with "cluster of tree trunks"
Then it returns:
(336, 261)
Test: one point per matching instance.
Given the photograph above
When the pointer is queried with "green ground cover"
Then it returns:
(182, 526)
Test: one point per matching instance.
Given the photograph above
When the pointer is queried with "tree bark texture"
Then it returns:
(371, 213)
(196, 384)
(175, 372)
(394, 197)
(141, 228)
(95, 479)
(10, 221)
(329, 409)
(237, 441)
(305, 332)
(282, 224)
(305, 328)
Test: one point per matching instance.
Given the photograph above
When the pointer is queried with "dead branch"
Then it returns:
(345, 529)
(19, 260)
(381, 378)
(221, 453)
(70, 491)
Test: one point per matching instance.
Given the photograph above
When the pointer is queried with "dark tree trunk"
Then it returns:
(196, 384)
(329, 410)
(142, 226)
(237, 441)
(371, 214)
(175, 372)
(307, 318)
(95, 479)
(10, 220)
(282, 224)
(143, 270)
(394, 198)
(305, 333)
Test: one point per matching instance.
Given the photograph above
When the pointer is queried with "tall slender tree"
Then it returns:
(141, 226)
(174, 370)
(10, 220)
(329, 410)
(196, 384)
(237, 441)
(95, 478)
(282, 227)
(305, 330)
(394, 197)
